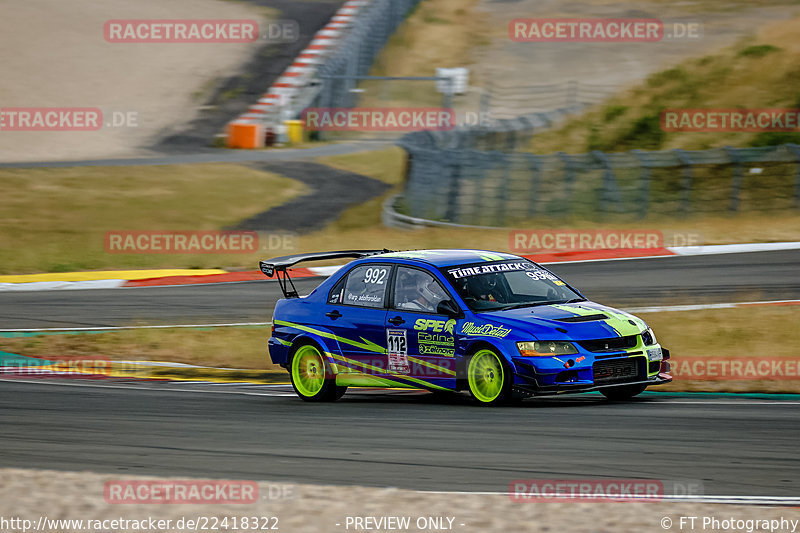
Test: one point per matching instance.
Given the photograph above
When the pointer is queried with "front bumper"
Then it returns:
(532, 381)
(574, 388)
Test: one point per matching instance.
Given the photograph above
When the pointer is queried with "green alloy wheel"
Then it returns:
(311, 377)
(489, 380)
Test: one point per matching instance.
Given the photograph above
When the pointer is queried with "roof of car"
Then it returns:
(445, 258)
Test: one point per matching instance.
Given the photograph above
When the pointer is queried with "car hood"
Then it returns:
(574, 321)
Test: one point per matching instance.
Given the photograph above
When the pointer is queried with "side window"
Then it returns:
(337, 293)
(417, 290)
(364, 286)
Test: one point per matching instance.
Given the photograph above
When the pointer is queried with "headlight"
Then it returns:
(545, 348)
(648, 337)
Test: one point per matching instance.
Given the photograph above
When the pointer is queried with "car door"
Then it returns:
(417, 336)
(356, 313)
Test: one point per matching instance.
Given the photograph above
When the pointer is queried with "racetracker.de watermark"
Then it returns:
(731, 120)
(81, 366)
(200, 31)
(600, 490)
(180, 491)
(378, 118)
(64, 119)
(197, 242)
(604, 30)
(571, 240)
(736, 368)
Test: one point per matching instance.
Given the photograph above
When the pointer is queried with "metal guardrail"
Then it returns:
(329, 80)
(502, 135)
(354, 56)
(494, 188)
(512, 101)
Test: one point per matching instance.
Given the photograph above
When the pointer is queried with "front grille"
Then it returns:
(617, 370)
(609, 345)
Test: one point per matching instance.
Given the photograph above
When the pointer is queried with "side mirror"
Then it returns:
(449, 308)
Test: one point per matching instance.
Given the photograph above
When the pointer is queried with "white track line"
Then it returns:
(715, 249)
(167, 326)
(699, 307)
(651, 309)
(748, 500)
(133, 387)
(732, 401)
(676, 251)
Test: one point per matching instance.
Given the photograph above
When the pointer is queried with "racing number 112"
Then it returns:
(397, 344)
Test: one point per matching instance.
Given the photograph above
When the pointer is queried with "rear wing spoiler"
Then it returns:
(279, 265)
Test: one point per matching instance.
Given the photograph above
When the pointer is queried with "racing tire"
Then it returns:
(311, 375)
(488, 378)
(623, 392)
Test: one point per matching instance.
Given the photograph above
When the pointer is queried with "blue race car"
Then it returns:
(495, 324)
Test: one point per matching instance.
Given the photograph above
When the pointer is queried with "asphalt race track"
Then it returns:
(660, 281)
(729, 446)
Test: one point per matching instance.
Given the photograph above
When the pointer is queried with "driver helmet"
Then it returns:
(429, 291)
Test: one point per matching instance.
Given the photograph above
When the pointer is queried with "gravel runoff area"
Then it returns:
(612, 66)
(34, 494)
(54, 54)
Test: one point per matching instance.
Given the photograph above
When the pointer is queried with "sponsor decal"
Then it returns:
(510, 266)
(430, 349)
(362, 298)
(430, 338)
(433, 344)
(487, 330)
(438, 326)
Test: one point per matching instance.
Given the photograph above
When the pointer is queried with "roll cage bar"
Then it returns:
(279, 266)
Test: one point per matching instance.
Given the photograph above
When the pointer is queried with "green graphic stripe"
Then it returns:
(370, 346)
(617, 321)
(366, 345)
(359, 379)
(382, 371)
(622, 323)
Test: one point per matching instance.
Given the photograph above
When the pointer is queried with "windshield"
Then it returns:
(508, 284)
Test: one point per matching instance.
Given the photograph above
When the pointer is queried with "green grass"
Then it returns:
(228, 347)
(55, 219)
(759, 72)
(716, 333)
